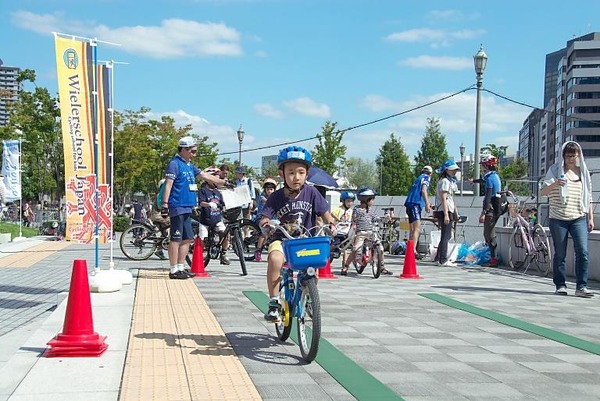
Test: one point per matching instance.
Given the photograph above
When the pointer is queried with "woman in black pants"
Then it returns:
(445, 210)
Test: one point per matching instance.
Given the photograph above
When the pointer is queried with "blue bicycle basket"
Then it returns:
(301, 253)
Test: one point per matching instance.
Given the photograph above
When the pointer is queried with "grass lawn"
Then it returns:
(13, 229)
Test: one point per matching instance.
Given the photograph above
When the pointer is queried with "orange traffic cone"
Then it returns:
(78, 337)
(325, 272)
(198, 259)
(410, 262)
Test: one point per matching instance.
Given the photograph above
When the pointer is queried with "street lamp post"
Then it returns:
(480, 61)
(240, 135)
(462, 170)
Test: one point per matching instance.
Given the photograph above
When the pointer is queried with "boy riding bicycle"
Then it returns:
(294, 203)
(211, 203)
(343, 220)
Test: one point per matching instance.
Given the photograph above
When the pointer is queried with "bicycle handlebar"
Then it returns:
(275, 225)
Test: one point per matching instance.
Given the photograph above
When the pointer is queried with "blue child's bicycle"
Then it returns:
(298, 294)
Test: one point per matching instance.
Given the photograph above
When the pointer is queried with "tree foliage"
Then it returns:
(516, 177)
(394, 168)
(144, 147)
(329, 149)
(360, 173)
(34, 118)
(433, 150)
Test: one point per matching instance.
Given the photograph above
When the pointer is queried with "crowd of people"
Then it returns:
(568, 187)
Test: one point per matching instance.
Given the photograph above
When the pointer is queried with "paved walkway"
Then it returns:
(464, 333)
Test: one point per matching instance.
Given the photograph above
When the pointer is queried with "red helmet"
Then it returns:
(488, 160)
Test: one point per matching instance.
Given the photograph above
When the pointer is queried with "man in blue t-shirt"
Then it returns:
(491, 205)
(416, 199)
(180, 196)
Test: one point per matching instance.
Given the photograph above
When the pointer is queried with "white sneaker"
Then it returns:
(562, 290)
(448, 263)
(583, 292)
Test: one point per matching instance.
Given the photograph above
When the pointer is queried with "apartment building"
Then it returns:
(9, 89)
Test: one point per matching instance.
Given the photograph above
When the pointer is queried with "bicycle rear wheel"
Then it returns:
(517, 249)
(138, 242)
(250, 238)
(543, 254)
(284, 326)
(238, 248)
(309, 320)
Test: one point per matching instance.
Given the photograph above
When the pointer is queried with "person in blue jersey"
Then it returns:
(180, 197)
(416, 199)
(294, 203)
(492, 209)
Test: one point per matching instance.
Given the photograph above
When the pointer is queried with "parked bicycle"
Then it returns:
(298, 293)
(142, 239)
(234, 229)
(528, 241)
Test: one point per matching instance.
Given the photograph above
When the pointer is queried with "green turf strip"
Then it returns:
(518, 324)
(360, 383)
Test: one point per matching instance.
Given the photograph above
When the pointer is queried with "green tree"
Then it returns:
(34, 117)
(394, 168)
(516, 177)
(433, 151)
(144, 147)
(329, 149)
(360, 173)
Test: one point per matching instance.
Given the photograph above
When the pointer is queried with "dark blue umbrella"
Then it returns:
(319, 177)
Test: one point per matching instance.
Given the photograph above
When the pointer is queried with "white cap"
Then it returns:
(187, 142)
(427, 169)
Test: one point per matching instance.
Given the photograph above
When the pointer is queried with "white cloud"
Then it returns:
(173, 38)
(308, 107)
(267, 110)
(436, 37)
(500, 122)
(438, 62)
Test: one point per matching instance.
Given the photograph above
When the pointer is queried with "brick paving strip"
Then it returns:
(29, 257)
(177, 349)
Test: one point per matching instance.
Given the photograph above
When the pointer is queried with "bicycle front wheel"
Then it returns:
(138, 242)
(309, 320)
(377, 260)
(543, 254)
(517, 249)
(238, 248)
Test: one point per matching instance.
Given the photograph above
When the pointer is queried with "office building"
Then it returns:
(9, 89)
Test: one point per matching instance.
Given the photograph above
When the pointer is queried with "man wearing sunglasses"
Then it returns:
(180, 197)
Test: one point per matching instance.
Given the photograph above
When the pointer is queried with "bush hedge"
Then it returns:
(121, 223)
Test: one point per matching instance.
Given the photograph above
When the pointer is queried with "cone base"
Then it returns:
(200, 274)
(76, 346)
(327, 276)
(410, 276)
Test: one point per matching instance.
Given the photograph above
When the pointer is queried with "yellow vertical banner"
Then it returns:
(75, 70)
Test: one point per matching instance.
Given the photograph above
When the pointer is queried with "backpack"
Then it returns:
(160, 196)
(503, 203)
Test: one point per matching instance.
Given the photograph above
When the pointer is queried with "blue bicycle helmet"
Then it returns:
(365, 193)
(347, 195)
(294, 154)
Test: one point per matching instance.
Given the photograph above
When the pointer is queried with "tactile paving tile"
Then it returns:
(31, 256)
(177, 349)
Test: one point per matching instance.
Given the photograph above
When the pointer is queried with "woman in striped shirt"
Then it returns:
(568, 186)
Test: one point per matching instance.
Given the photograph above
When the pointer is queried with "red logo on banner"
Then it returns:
(81, 216)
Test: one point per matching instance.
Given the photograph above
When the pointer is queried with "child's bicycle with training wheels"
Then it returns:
(528, 241)
(298, 294)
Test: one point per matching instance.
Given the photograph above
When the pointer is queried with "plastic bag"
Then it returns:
(398, 248)
(476, 254)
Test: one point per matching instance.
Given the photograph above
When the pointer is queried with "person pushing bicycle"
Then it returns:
(292, 204)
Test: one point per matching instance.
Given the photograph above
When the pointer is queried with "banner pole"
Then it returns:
(20, 189)
(95, 124)
(110, 66)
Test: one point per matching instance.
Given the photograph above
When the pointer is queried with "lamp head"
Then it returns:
(480, 61)
(240, 134)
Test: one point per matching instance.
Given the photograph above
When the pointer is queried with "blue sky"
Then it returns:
(282, 68)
